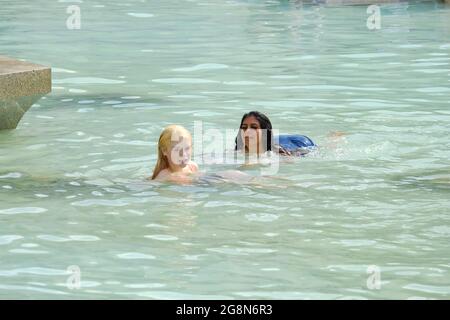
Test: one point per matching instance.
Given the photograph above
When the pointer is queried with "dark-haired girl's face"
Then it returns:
(251, 134)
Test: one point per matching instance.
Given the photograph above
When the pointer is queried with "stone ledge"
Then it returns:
(21, 85)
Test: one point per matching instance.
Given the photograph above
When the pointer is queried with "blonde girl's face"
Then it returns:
(180, 152)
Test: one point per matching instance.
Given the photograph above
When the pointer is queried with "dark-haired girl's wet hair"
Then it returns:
(264, 123)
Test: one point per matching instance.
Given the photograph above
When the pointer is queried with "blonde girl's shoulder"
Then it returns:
(163, 175)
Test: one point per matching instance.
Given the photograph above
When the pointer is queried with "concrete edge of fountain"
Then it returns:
(21, 85)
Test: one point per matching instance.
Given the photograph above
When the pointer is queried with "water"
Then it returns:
(72, 178)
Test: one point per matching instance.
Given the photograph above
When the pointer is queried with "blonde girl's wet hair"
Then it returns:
(172, 133)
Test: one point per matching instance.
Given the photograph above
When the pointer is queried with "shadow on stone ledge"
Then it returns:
(21, 85)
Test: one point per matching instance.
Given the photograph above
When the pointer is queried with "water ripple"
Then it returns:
(184, 81)
(22, 210)
(202, 67)
(7, 239)
(12, 175)
(428, 288)
(87, 80)
(54, 238)
(135, 255)
(241, 251)
(141, 15)
(162, 237)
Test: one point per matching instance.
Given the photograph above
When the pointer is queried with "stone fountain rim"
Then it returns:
(21, 78)
(18, 66)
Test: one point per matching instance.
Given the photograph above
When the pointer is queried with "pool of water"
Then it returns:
(73, 194)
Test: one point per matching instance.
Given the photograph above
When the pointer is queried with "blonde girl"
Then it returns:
(174, 155)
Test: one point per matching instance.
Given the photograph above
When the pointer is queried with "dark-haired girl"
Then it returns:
(256, 137)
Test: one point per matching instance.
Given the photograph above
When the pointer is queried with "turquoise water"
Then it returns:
(72, 176)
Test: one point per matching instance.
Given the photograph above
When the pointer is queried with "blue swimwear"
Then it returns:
(296, 144)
